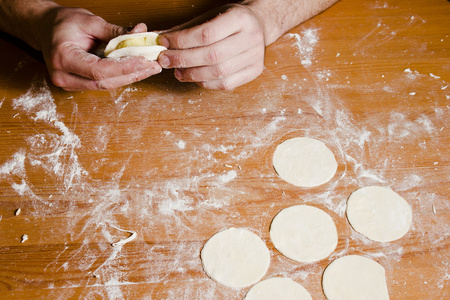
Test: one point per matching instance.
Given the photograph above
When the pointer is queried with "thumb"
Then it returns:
(105, 31)
(138, 28)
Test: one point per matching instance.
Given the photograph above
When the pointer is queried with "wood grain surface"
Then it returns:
(176, 163)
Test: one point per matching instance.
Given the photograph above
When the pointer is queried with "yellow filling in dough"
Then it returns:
(137, 42)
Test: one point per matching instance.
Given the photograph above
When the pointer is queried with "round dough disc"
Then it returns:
(355, 277)
(304, 233)
(278, 288)
(304, 162)
(379, 213)
(235, 257)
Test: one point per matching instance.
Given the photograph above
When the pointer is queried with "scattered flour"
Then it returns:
(306, 43)
(183, 205)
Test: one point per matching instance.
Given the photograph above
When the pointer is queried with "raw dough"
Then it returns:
(235, 257)
(355, 277)
(304, 233)
(278, 288)
(136, 44)
(304, 162)
(379, 213)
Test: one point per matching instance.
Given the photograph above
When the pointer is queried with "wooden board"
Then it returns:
(176, 163)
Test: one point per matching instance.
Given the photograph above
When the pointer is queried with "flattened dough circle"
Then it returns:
(278, 288)
(304, 233)
(355, 277)
(379, 213)
(235, 257)
(149, 50)
(304, 162)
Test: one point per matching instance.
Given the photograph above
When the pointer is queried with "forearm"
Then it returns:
(280, 16)
(23, 19)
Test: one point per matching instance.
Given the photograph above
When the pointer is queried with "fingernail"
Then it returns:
(157, 68)
(178, 74)
(164, 61)
(163, 41)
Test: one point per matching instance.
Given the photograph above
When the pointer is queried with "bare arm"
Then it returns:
(22, 19)
(224, 48)
(279, 17)
(66, 37)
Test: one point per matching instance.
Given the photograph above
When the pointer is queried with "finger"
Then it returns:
(209, 55)
(237, 79)
(104, 31)
(75, 60)
(71, 82)
(222, 70)
(138, 28)
(205, 34)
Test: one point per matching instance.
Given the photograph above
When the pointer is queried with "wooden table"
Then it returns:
(176, 163)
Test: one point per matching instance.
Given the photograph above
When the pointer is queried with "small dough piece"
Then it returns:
(379, 213)
(278, 288)
(304, 162)
(235, 257)
(135, 44)
(304, 233)
(355, 277)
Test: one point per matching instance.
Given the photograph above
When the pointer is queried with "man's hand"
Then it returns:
(222, 49)
(222, 53)
(67, 38)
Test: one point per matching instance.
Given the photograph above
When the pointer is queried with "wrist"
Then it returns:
(267, 18)
(24, 19)
(39, 23)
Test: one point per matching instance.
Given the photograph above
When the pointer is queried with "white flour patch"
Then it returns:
(181, 144)
(53, 152)
(15, 166)
(225, 178)
(306, 43)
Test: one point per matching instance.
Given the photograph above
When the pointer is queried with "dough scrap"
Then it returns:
(304, 162)
(355, 277)
(304, 233)
(135, 44)
(235, 257)
(278, 288)
(379, 213)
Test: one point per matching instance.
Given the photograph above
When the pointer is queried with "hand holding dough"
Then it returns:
(136, 44)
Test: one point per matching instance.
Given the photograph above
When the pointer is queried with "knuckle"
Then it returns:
(220, 71)
(214, 56)
(207, 35)
(102, 86)
(94, 19)
(96, 74)
(177, 41)
(224, 85)
(178, 61)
